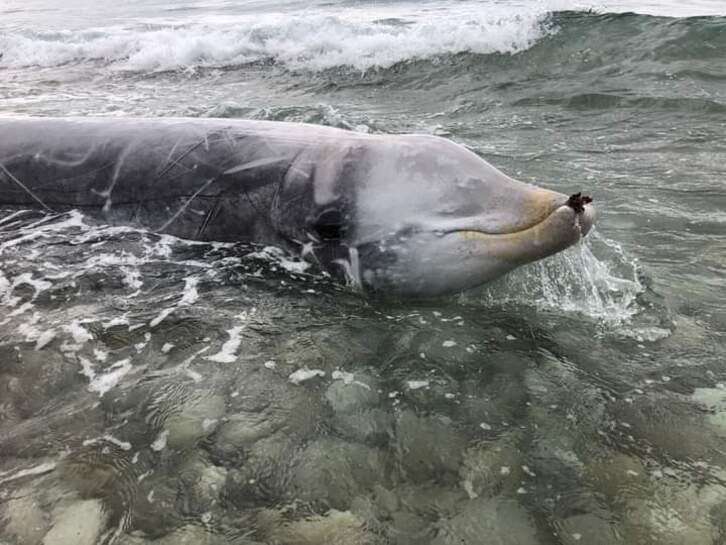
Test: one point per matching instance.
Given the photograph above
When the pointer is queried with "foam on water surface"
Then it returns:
(305, 374)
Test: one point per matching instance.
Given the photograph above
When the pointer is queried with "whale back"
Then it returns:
(197, 179)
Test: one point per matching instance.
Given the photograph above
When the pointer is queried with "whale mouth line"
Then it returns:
(577, 203)
(578, 215)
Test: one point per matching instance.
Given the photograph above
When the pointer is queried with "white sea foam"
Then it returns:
(313, 41)
(159, 443)
(280, 257)
(79, 333)
(44, 227)
(190, 294)
(417, 384)
(228, 352)
(301, 375)
(163, 314)
(6, 476)
(103, 382)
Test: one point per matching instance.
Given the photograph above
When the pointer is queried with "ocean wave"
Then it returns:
(312, 42)
(599, 101)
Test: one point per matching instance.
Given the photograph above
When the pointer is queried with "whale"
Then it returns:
(406, 215)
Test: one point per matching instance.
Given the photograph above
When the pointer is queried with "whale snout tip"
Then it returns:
(577, 202)
(584, 211)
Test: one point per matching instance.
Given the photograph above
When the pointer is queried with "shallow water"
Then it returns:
(154, 390)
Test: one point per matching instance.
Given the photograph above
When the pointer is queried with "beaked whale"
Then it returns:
(407, 215)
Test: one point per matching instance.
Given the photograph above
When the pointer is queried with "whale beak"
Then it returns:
(555, 223)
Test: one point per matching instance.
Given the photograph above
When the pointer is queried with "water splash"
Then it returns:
(604, 288)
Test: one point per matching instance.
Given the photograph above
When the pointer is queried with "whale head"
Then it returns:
(420, 216)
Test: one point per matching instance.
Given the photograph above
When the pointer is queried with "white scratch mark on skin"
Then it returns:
(258, 163)
(114, 179)
(61, 162)
(173, 149)
(186, 205)
(351, 268)
(25, 188)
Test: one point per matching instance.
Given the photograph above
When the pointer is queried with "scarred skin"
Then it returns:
(407, 215)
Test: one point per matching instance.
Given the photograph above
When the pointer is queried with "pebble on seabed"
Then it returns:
(23, 518)
(77, 523)
(196, 419)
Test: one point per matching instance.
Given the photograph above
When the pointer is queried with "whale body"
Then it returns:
(408, 215)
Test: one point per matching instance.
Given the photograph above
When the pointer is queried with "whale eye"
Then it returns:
(329, 225)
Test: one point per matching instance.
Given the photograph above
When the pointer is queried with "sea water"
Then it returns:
(156, 390)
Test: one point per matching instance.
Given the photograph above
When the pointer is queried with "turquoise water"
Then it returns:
(154, 390)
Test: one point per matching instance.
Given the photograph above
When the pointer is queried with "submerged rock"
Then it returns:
(489, 469)
(326, 349)
(78, 523)
(200, 485)
(587, 529)
(677, 512)
(262, 404)
(672, 428)
(352, 393)
(428, 448)
(648, 523)
(196, 419)
(242, 430)
(127, 539)
(714, 400)
(264, 477)
(619, 477)
(41, 375)
(332, 472)
(409, 529)
(191, 535)
(355, 402)
(23, 519)
(488, 520)
(335, 527)
(429, 501)
(373, 427)
(154, 511)
(500, 403)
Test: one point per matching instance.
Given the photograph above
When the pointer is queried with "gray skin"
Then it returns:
(408, 215)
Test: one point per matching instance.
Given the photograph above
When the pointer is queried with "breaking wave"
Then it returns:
(310, 42)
